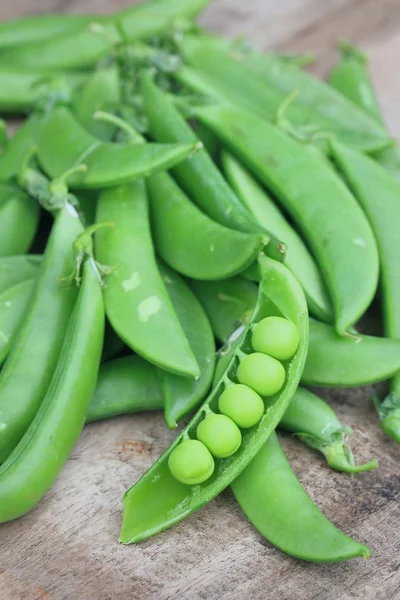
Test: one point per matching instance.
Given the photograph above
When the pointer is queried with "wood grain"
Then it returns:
(67, 548)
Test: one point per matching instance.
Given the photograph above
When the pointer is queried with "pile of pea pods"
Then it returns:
(190, 225)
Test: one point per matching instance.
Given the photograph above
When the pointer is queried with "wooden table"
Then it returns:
(67, 548)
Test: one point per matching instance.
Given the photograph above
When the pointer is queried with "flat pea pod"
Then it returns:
(35, 463)
(13, 303)
(136, 300)
(19, 219)
(19, 146)
(100, 91)
(297, 258)
(191, 242)
(107, 163)
(182, 395)
(351, 78)
(348, 361)
(379, 195)
(199, 177)
(20, 88)
(316, 198)
(275, 503)
(316, 424)
(27, 372)
(266, 89)
(158, 499)
(15, 269)
(229, 304)
(39, 27)
(125, 385)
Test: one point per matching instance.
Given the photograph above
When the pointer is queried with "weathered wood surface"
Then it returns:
(67, 548)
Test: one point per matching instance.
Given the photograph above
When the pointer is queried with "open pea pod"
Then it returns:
(64, 143)
(158, 500)
(19, 218)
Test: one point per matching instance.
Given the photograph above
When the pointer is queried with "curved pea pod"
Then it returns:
(102, 90)
(275, 503)
(35, 463)
(137, 302)
(39, 27)
(297, 258)
(316, 108)
(107, 163)
(15, 269)
(182, 395)
(228, 303)
(125, 385)
(316, 424)
(20, 88)
(19, 219)
(19, 146)
(13, 303)
(316, 198)
(200, 178)
(27, 372)
(379, 195)
(192, 243)
(158, 500)
(351, 78)
(348, 361)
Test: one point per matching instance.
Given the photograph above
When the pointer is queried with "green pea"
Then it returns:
(262, 373)
(191, 462)
(220, 434)
(277, 337)
(242, 404)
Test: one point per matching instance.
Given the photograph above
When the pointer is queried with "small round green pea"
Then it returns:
(277, 337)
(262, 373)
(242, 404)
(220, 434)
(191, 462)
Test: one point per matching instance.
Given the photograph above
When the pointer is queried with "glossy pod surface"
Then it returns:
(107, 163)
(37, 460)
(275, 503)
(145, 514)
(137, 302)
(27, 372)
(13, 303)
(192, 243)
(297, 258)
(19, 218)
(317, 200)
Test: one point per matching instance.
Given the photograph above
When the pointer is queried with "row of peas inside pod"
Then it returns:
(260, 374)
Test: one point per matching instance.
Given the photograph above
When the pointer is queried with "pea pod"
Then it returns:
(35, 463)
(125, 385)
(316, 198)
(13, 303)
(192, 243)
(181, 395)
(137, 302)
(19, 147)
(82, 48)
(158, 500)
(297, 258)
(351, 78)
(113, 345)
(315, 423)
(107, 163)
(199, 178)
(379, 195)
(263, 90)
(228, 303)
(348, 361)
(274, 501)
(101, 91)
(19, 219)
(15, 269)
(27, 372)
